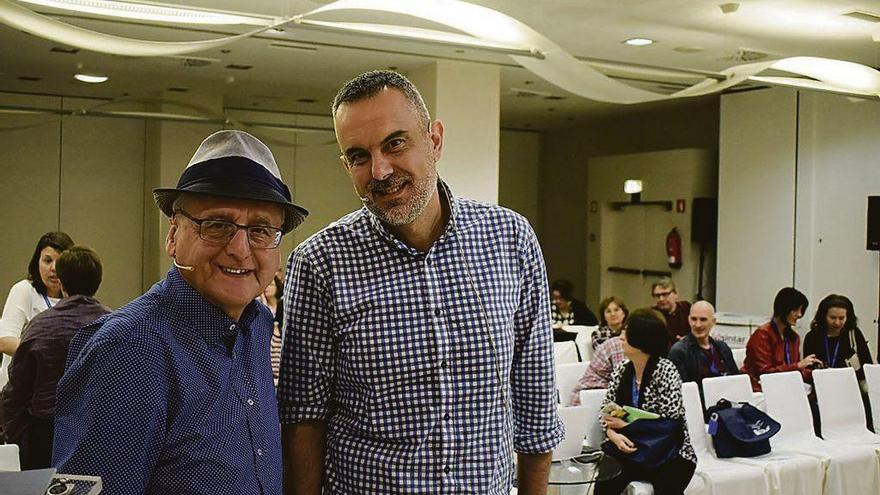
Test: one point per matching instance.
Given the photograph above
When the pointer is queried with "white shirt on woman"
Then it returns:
(22, 304)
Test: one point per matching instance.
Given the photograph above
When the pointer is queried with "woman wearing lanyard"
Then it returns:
(775, 346)
(27, 298)
(835, 338)
(650, 382)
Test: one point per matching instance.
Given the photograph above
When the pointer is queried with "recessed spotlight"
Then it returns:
(639, 42)
(90, 78)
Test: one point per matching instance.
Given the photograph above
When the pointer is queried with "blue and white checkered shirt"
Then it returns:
(401, 352)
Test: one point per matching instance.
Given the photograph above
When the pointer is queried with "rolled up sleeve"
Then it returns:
(306, 379)
(537, 427)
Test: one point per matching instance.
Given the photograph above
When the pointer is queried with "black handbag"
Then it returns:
(740, 429)
(657, 441)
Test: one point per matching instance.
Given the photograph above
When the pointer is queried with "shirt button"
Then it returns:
(447, 469)
(259, 451)
(443, 364)
(429, 262)
(232, 327)
(437, 312)
(250, 402)
(446, 417)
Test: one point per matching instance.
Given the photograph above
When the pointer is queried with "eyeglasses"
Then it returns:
(661, 295)
(220, 232)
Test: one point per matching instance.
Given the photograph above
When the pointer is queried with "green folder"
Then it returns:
(635, 414)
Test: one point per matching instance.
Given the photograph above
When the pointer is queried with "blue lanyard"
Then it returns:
(48, 303)
(832, 358)
(635, 392)
(786, 344)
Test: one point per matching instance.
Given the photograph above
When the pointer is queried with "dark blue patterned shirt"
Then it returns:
(430, 369)
(168, 395)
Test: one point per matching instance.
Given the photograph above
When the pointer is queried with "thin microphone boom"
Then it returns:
(188, 268)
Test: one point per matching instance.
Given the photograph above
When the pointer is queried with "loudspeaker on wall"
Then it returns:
(704, 220)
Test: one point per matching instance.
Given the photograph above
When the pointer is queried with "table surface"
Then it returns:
(584, 469)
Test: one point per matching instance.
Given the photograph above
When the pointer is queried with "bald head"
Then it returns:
(702, 320)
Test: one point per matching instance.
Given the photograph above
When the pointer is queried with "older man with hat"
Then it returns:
(173, 393)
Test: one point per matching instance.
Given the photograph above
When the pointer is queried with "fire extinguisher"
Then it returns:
(673, 248)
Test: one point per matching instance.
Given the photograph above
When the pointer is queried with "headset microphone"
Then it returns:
(188, 268)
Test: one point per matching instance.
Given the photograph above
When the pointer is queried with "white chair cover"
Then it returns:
(788, 473)
(566, 352)
(9, 457)
(739, 356)
(592, 399)
(735, 388)
(849, 469)
(872, 376)
(840, 407)
(584, 339)
(716, 476)
(577, 422)
(567, 376)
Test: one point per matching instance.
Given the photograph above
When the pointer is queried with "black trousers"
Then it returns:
(669, 479)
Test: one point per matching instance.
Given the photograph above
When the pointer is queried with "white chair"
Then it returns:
(735, 388)
(577, 421)
(787, 473)
(716, 476)
(592, 399)
(567, 376)
(565, 352)
(583, 340)
(849, 469)
(872, 376)
(9, 457)
(739, 356)
(840, 407)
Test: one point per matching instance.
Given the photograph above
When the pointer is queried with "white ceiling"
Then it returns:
(692, 34)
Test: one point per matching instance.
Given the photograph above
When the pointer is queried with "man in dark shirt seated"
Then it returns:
(676, 312)
(28, 401)
(698, 355)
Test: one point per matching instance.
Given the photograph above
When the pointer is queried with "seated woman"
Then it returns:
(775, 346)
(612, 312)
(598, 373)
(650, 382)
(567, 310)
(835, 338)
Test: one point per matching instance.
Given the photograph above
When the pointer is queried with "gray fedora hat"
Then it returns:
(233, 164)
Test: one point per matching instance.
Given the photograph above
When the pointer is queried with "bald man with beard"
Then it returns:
(697, 355)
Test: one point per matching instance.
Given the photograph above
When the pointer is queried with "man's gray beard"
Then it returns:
(407, 213)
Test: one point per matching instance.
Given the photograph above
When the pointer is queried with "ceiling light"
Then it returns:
(639, 42)
(148, 11)
(90, 78)
(632, 186)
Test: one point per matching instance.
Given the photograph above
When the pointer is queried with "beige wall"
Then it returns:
(639, 241)
(688, 123)
(796, 170)
(518, 181)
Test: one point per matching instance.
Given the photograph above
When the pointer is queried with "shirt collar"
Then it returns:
(454, 212)
(203, 318)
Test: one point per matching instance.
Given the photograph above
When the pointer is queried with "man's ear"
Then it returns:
(169, 239)
(436, 136)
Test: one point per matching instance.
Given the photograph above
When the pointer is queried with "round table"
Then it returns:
(584, 469)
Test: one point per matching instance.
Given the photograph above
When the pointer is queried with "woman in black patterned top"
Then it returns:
(612, 313)
(566, 309)
(650, 382)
